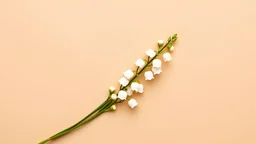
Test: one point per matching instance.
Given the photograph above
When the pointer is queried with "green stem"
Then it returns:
(44, 141)
(100, 111)
(67, 130)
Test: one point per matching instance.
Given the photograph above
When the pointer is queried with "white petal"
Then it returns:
(148, 75)
(140, 88)
(123, 81)
(135, 86)
(132, 103)
(156, 70)
(122, 95)
(128, 74)
(167, 57)
(157, 63)
(151, 53)
(140, 63)
(129, 91)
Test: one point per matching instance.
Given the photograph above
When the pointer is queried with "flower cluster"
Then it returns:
(128, 82)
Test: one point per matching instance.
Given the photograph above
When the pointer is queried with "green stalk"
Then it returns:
(102, 110)
(67, 130)
(83, 122)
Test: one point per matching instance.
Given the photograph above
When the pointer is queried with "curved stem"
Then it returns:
(100, 111)
(69, 129)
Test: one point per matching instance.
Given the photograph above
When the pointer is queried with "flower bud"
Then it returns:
(112, 89)
(174, 39)
(174, 36)
(171, 48)
(112, 108)
(169, 39)
(160, 43)
(113, 96)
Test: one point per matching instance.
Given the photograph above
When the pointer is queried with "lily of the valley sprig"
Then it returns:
(148, 67)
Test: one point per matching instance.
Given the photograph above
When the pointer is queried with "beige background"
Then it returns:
(58, 58)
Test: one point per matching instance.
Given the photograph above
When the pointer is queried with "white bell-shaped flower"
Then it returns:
(132, 103)
(157, 63)
(167, 57)
(122, 95)
(113, 96)
(156, 70)
(129, 91)
(137, 87)
(140, 63)
(128, 74)
(123, 81)
(148, 75)
(151, 53)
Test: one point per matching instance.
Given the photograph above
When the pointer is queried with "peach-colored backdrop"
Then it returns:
(58, 58)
